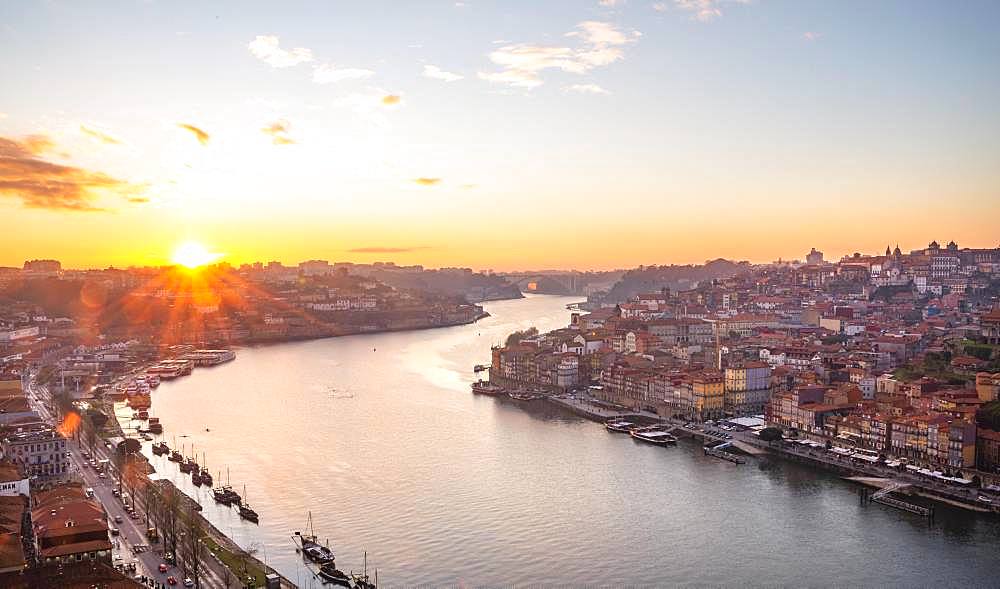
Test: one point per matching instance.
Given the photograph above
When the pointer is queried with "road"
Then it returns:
(132, 532)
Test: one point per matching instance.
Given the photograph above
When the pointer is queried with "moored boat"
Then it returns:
(176, 456)
(482, 387)
(330, 573)
(520, 396)
(619, 425)
(246, 512)
(653, 436)
(160, 448)
(311, 548)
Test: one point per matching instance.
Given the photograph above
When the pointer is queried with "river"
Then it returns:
(379, 437)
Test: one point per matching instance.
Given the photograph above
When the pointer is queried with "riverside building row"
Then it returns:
(897, 353)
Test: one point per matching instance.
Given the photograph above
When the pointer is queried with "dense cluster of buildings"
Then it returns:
(46, 517)
(893, 353)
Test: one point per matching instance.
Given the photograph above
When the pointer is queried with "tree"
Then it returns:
(771, 434)
(193, 546)
(168, 514)
(516, 337)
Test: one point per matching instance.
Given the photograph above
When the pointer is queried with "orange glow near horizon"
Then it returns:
(192, 254)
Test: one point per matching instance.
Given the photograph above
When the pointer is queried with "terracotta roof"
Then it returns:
(78, 547)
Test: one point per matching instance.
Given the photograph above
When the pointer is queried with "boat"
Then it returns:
(311, 548)
(480, 368)
(141, 415)
(190, 466)
(524, 396)
(196, 477)
(155, 427)
(147, 437)
(245, 511)
(176, 456)
(653, 436)
(153, 380)
(619, 425)
(225, 493)
(361, 581)
(206, 476)
(330, 573)
(161, 448)
(482, 387)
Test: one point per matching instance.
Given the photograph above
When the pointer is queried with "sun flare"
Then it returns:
(192, 254)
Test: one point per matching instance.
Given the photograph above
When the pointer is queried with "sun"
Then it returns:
(192, 254)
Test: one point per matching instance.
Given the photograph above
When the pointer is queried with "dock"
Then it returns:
(883, 497)
(719, 452)
(591, 410)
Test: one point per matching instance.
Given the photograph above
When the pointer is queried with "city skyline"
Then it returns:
(193, 255)
(590, 135)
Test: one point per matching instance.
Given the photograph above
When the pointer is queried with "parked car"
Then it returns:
(188, 582)
(163, 567)
(171, 580)
(115, 531)
(118, 519)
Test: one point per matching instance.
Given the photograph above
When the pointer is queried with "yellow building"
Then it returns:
(708, 388)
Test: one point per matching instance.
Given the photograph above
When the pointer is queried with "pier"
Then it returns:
(719, 452)
(883, 497)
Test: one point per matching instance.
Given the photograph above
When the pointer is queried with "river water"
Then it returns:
(379, 437)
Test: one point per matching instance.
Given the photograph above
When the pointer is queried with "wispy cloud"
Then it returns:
(99, 135)
(278, 131)
(382, 249)
(660, 6)
(43, 184)
(199, 134)
(521, 64)
(267, 48)
(586, 89)
(328, 73)
(611, 3)
(702, 10)
(812, 36)
(436, 73)
(425, 181)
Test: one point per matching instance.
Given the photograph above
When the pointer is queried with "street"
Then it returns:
(132, 532)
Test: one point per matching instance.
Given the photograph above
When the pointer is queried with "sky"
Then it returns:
(496, 135)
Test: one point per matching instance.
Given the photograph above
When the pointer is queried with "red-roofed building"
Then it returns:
(69, 527)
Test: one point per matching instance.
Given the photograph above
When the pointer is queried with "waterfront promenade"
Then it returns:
(131, 544)
(749, 444)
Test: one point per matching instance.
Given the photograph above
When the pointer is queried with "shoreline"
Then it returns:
(849, 472)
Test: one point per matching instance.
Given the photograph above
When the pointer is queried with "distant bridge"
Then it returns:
(569, 283)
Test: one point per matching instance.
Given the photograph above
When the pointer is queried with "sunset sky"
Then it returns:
(506, 134)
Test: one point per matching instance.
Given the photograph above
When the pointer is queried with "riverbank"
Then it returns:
(748, 444)
(364, 330)
(865, 473)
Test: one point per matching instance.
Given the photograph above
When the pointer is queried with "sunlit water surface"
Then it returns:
(379, 437)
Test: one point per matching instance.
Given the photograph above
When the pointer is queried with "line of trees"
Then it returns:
(180, 527)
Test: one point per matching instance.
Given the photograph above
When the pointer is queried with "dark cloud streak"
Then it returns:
(378, 249)
(199, 134)
(42, 184)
